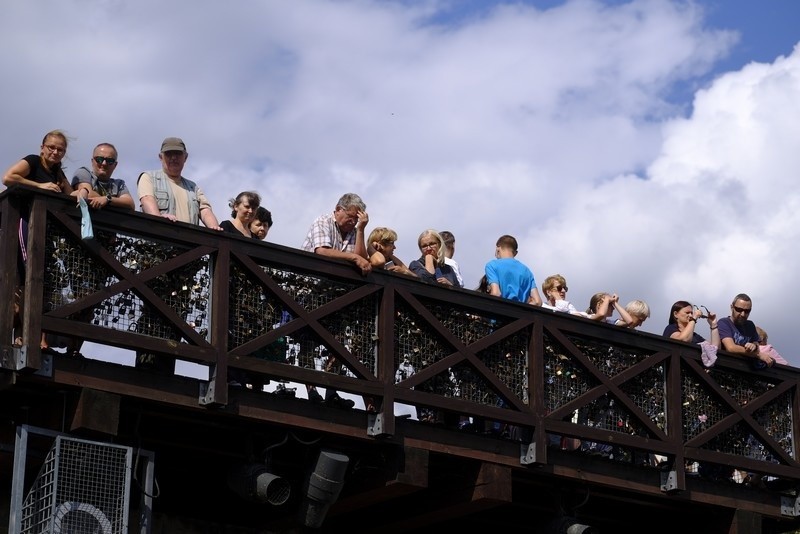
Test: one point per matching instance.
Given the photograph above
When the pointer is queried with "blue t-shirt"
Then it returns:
(514, 278)
(746, 334)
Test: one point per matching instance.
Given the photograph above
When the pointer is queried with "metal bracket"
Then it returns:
(21, 356)
(375, 425)
(669, 481)
(790, 505)
(527, 454)
(207, 393)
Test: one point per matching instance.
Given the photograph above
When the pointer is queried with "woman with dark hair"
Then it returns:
(683, 321)
(483, 285)
(261, 223)
(243, 210)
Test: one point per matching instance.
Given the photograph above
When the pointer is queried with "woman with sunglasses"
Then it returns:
(431, 266)
(555, 294)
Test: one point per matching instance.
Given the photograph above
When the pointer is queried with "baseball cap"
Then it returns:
(173, 143)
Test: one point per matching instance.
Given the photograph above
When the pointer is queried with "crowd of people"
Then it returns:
(166, 193)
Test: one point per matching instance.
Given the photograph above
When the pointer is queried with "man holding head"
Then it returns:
(341, 234)
(102, 190)
(738, 333)
(167, 193)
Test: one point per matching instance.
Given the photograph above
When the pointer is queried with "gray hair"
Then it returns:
(350, 200)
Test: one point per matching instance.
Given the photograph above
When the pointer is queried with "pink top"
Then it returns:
(770, 350)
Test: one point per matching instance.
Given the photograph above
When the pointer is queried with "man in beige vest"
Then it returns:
(167, 193)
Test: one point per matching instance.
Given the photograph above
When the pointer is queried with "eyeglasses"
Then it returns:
(56, 149)
(561, 288)
(100, 159)
(351, 215)
(742, 310)
(428, 245)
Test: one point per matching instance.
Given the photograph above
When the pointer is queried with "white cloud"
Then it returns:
(714, 215)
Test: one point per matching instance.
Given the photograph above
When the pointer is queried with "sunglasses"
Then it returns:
(561, 288)
(100, 159)
(703, 315)
(742, 310)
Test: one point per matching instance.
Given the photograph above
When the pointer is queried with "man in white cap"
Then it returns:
(166, 193)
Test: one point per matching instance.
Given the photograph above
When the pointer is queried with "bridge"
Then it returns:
(472, 411)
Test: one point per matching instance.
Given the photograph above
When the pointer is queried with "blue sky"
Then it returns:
(647, 148)
(768, 28)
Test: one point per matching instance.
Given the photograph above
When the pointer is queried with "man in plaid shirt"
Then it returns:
(341, 234)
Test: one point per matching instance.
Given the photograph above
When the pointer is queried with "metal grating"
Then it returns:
(82, 487)
(311, 292)
(79, 274)
(254, 311)
(565, 378)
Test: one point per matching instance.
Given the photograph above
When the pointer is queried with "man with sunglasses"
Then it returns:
(102, 189)
(738, 334)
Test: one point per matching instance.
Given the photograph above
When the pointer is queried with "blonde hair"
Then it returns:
(56, 133)
(440, 255)
(382, 235)
(762, 335)
(639, 308)
(553, 281)
(59, 170)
